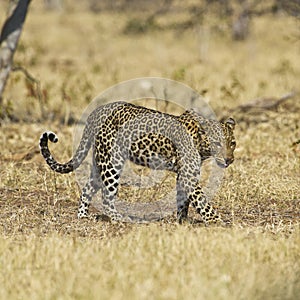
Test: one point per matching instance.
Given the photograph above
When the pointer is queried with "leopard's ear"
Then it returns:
(230, 122)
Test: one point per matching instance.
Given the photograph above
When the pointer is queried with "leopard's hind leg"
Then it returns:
(89, 190)
(106, 177)
(110, 174)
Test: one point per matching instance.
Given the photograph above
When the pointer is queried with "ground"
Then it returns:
(45, 252)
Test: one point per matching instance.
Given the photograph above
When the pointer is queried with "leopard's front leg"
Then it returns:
(184, 186)
(189, 191)
(182, 203)
(199, 201)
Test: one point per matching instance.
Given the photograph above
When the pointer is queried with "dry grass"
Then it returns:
(153, 262)
(45, 252)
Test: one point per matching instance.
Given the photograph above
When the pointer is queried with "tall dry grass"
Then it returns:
(153, 262)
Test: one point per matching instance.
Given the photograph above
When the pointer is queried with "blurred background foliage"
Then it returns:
(235, 15)
(229, 51)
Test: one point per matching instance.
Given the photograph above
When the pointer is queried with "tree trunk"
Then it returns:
(9, 38)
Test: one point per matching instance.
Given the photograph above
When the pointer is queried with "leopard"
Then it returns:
(121, 131)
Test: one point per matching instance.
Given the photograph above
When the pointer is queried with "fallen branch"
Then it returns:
(263, 103)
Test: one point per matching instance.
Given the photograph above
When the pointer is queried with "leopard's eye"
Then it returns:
(218, 144)
(233, 143)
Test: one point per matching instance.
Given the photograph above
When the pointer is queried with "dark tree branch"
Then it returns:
(9, 38)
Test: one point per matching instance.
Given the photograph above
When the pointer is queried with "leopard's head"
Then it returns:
(212, 138)
(217, 140)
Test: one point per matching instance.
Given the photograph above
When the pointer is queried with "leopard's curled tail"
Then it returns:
(74, 163)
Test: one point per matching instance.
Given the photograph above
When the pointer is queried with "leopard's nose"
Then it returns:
(228, 161)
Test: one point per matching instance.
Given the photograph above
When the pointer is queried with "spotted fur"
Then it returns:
(121, 131)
